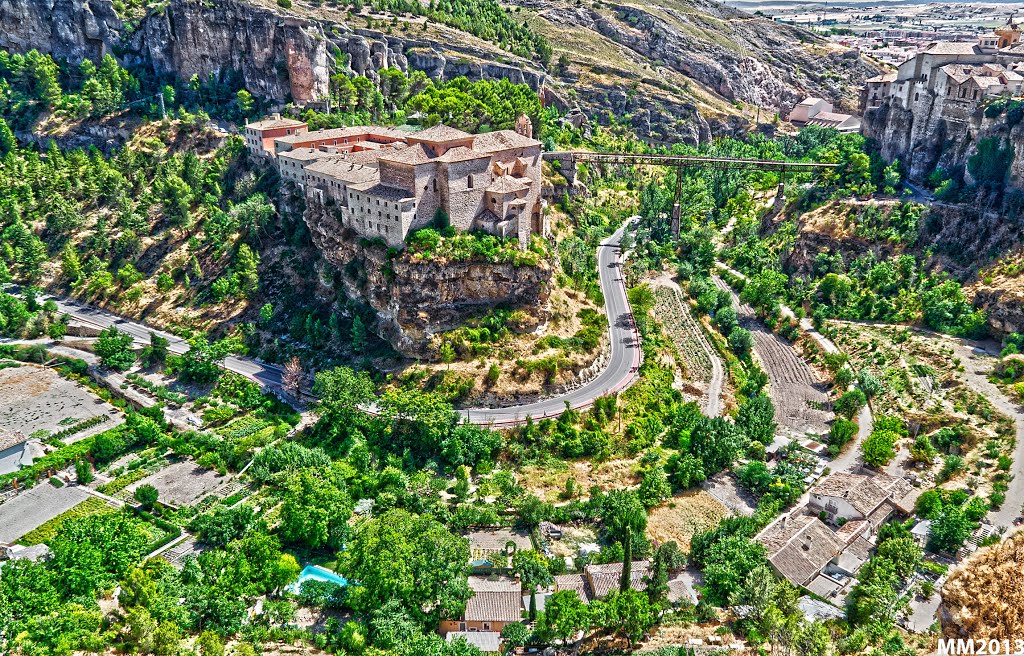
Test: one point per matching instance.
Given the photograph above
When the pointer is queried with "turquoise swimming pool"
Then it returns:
(316, 573)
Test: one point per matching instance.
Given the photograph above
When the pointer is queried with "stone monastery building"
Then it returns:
(387, 183)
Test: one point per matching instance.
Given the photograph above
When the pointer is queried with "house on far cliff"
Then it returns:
(952, 79)
(260, 135)
(815, 111)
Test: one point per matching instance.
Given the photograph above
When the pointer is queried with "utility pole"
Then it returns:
(676, 209)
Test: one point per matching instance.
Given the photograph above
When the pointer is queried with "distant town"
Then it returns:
(890, 32)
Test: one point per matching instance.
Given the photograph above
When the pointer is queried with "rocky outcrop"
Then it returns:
(961, 240)
(416, 299)
(270, 55)
(732, 53)
(935, 134)
(72, 30)
(281, 57)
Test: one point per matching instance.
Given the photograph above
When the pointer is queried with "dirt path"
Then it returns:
(976, 369)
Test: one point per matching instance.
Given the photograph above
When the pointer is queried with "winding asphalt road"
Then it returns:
(620, 372)
(261, 372)
(623, 363)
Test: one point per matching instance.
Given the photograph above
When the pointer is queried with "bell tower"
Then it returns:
(1009, 34)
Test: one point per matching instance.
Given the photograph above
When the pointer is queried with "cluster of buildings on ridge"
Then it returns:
(387, 182)
(953, 77)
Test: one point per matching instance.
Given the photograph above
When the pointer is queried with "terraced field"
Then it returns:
(702, 363)
(800, 398)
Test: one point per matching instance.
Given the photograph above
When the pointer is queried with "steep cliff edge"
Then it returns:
(67, 29)
(935, 134)
(416, 299)
(270, 55)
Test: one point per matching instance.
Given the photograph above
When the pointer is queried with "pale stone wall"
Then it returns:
(463, 194)
(533, 165)
(397, 175)
(373, 216)
(428, 195)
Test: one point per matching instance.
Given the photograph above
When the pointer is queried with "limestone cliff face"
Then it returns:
(67, 29)
(933, 134)
(271, 55)
(415, 300)
(276, 56)
(734, 54)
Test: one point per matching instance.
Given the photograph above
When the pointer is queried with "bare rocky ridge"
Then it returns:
(736, 55)
(416, 299)
(671, 70)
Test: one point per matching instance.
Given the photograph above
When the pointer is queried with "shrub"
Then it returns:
(850, 403)
(284, 4)
(147, 496)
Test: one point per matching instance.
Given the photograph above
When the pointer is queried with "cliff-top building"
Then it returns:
(958, 75)
(386, 183)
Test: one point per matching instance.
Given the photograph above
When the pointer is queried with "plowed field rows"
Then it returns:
(794, 388)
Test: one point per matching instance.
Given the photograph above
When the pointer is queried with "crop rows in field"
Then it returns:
(684, 332)
(799, 397)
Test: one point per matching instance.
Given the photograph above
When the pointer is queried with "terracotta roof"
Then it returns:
(506, 184)
(807, 546)
(605, 578)
(679, 589)
(344, 170)
(864, 492)
(308, 154)
(319, 135)
(810, 101)
(372, 157)
(576, 583)
(879, 79)
(494, 600)
(440, 133)
(951, 48)
(342, 133)
(491, 142)
(461, 154)
(986, 81)
(828, 119)
(414, 154)
(270, 123)
(851, 530)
